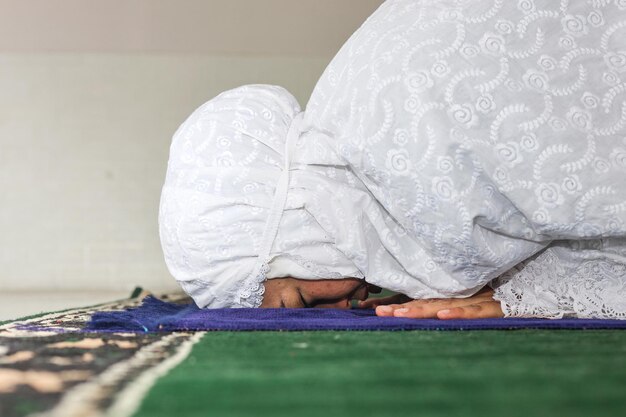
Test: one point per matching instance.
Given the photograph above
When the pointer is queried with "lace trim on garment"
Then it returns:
(545, 287)
(317, 270)
(250, 295)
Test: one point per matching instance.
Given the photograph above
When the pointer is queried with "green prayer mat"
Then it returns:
(483, 373)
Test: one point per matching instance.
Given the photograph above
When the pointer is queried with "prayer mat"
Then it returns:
(523, 373)
(158, 316)
(52, 366)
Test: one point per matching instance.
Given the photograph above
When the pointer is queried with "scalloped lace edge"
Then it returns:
(546, 288)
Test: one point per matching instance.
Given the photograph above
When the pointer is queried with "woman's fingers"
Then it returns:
(372, 302)
(482, 310)
(416, 311)
(428, 307)
(387, 310)
(375, 302)
(478, 306)
(422, 309)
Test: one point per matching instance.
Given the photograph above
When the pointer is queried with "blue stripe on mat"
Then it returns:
(157, 315)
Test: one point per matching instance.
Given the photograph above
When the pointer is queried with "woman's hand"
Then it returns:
(479, 306)
(375, 302)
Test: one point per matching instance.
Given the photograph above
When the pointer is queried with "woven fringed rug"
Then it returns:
(50, 367)
(155, 315)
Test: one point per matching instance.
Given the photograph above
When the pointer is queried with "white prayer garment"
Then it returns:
(449, 145)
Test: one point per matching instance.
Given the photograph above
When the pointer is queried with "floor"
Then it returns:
(539, 373)
(16, 304)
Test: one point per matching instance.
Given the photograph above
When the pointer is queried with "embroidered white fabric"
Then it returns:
(584, 279)
(448, 141)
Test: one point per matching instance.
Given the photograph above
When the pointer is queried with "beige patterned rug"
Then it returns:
(47, 368)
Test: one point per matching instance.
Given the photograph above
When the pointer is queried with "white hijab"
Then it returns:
(446, 142)
(221, 189)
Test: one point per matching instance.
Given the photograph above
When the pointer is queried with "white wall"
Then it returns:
(90, 94)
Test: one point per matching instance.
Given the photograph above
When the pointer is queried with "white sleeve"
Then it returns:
(583, 279)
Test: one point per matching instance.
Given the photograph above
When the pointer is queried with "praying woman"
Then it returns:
(469, 156)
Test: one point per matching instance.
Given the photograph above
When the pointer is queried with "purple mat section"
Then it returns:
(156, 315)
